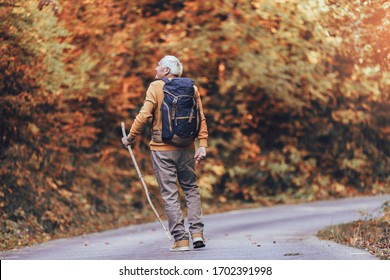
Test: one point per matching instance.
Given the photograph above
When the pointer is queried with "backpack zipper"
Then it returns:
(184, 118)
(174, 96)
(192, 110)
(174, 108)
(169, 117)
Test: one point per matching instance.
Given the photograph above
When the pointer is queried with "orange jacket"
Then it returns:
(150, 111)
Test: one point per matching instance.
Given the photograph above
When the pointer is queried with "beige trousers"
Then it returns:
(174, 168)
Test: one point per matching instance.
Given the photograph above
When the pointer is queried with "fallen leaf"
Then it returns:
(292, 254)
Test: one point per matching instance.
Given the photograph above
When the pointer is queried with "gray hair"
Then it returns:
(173, 63)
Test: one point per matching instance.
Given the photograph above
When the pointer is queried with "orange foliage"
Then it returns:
(296, 96)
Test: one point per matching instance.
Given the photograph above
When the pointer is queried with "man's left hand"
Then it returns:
(200, 154)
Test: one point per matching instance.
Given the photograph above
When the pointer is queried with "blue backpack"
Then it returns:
(180, 112)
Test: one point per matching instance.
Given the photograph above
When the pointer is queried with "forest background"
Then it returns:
(296, 96)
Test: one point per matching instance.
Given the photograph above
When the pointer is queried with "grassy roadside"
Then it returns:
(370, 234)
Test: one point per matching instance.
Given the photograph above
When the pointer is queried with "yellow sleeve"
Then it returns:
(203, 133)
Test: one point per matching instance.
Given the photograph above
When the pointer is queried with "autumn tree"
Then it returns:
(296, 95)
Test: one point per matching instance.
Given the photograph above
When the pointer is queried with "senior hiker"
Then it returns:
(174, 109)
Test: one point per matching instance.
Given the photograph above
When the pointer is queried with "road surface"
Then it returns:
(282, 232)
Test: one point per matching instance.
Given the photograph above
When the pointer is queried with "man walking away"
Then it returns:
(174, 108)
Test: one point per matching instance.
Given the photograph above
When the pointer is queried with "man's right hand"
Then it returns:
(127, 141)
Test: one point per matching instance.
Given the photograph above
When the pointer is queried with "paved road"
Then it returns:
(270, 233)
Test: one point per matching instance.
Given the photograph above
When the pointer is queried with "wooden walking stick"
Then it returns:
(143, 182)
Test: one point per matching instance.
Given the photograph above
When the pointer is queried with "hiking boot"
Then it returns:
(198, 240)
(180, 246)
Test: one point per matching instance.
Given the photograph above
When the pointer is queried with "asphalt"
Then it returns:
(284, 232)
